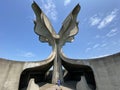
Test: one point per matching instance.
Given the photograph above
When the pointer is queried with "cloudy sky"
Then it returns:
(99, 28)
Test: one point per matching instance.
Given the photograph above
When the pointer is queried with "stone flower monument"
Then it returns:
(78, 74)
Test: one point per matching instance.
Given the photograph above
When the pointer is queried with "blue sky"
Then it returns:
(99, 28)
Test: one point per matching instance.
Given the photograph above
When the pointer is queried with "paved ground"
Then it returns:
(67, 86)
(54, 87)
(47, 86)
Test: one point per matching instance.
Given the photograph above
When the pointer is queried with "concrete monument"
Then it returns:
(46, 33)
(92, 74)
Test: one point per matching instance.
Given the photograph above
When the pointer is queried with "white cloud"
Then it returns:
(88, 49)
(113, 32)
(50, 9)
(103, 45)
(88, 43)
(94, 20)
(96, 45)
(27, 54)
(66, 2)
(102, 22)
(108, 19)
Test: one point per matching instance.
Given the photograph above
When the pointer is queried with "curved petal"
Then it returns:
(43, 26)
(69, 27)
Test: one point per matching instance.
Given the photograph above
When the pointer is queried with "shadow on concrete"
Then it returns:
(74, 73)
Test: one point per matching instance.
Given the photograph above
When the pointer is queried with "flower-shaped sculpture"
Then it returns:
(46, 33)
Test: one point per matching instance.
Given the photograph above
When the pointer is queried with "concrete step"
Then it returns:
(48, 86)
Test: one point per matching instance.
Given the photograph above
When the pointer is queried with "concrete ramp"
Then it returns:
(32, 85)
(45, 86)
(82, 85)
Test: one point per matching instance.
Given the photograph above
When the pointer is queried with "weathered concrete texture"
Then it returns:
(82, 85)
(46, 33)
(9, 74)
(106, 72)
(32, 85)
(45, 86)
(10, 71)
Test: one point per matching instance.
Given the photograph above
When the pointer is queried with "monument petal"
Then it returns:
(42, 26)
(46, 33)
(101, 73)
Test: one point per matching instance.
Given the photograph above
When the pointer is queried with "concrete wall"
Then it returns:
(106, 72)
(9, 74)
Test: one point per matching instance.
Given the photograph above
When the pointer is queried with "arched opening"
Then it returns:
(75, 71)
(28, 74)
(39, 74)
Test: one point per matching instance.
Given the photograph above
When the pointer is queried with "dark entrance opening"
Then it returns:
(39, 74)
(75, 71)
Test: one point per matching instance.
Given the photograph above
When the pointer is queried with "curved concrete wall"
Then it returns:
(106, 72)
(9, 74)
